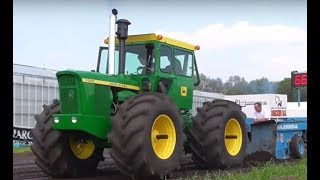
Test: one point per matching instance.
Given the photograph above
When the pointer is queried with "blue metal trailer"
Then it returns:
(283, 138)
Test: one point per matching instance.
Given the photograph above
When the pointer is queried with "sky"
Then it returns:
(252, 39)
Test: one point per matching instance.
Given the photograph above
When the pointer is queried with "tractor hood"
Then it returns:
(120, 81)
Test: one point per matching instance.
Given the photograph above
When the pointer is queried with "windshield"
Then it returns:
(139, 59)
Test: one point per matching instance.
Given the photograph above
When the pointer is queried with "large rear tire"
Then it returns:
(57, 153)
(218, 135)
(147, 136)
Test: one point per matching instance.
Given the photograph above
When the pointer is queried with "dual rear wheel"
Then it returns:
(147, 136)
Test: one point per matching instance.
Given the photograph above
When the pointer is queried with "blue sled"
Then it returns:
(278, 138)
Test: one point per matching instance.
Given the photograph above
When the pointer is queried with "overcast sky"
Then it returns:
(252, 39)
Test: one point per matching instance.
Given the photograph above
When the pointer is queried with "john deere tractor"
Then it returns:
(138, 104)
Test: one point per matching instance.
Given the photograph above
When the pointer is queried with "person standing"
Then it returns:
(260, 114)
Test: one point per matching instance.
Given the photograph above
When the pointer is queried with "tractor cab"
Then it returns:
(158, 63)
(147, 54)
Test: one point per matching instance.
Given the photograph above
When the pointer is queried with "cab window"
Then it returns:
(165, 59)
(183, 61)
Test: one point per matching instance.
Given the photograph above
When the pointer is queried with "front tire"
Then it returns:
(147, 136)
(218, 135)
(56, 151)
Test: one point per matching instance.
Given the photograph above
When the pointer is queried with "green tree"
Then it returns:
(239, 86)
(208, 84)
(286, 88)
(262, 86)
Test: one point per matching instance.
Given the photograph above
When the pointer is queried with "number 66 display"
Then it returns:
(298, 79)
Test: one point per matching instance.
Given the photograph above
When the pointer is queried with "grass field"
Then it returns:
(21, 149)
(270, 171)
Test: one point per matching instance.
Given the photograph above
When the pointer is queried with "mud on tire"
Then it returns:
(131, 139)
(52, 149)
(207, 135)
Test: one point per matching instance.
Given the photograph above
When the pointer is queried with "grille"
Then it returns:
(67, 80)
(69, 101)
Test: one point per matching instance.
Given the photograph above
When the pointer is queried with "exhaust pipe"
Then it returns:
(111, 43)
(122, 34)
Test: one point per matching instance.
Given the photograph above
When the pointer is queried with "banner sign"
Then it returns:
(21, 137)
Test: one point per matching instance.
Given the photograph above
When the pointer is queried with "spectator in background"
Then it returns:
(259, 115)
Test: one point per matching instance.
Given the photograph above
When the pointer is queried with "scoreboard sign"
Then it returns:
(298, 79)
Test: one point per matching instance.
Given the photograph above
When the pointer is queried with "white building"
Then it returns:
(32, 87)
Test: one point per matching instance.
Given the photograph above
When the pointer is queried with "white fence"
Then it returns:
(30, 92)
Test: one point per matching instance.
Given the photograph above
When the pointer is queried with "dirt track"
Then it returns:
(25, 168)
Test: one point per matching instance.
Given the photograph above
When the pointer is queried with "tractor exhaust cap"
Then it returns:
(122, 34)
(122, 30)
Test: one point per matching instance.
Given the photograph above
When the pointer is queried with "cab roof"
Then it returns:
(157, 37)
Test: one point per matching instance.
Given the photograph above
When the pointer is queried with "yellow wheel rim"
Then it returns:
(163, 136)
(233, 137)
(81, 148)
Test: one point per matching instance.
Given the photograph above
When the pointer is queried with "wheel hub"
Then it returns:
(82, 148)
(233, 137)
(163, 136)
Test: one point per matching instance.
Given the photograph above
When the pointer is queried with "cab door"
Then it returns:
(183, 66)
(175, 75)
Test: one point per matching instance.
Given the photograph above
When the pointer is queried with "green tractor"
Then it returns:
(139, 106)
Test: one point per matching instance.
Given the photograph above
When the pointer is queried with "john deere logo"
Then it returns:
(184, 91)
(71, 94)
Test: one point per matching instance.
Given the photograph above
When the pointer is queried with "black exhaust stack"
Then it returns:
(122, 34)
